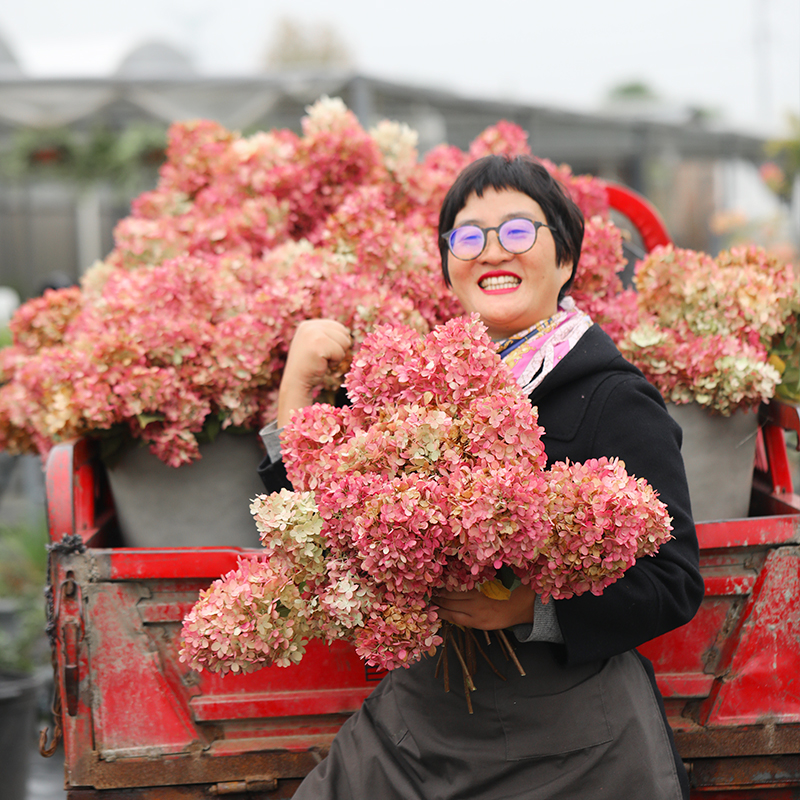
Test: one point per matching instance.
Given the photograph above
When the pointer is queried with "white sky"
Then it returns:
(740, 58)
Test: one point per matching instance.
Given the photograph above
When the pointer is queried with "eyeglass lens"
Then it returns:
(515, 235)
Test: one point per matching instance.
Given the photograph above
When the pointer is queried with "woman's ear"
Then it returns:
(566, 268)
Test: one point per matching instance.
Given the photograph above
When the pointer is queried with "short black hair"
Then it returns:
(523, 174)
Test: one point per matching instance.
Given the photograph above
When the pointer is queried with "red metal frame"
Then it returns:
(132, 713)
(730, 679)
(641, 212)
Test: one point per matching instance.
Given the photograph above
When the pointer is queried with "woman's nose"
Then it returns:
(494, 252)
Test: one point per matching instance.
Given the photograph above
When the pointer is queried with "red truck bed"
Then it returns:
(137, 723)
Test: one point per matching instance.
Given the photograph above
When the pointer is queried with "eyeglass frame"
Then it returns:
(485, 231)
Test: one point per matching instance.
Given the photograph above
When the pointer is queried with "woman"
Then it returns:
(586, 721)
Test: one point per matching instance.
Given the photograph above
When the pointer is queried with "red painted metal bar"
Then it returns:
(59, 489)
(75, 498)
(344, 700)
(130, 563)
(642, 214)
(783, 414)
(749, 532)
(780, 472)
(138, 563)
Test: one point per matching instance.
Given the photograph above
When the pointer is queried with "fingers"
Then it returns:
(475, 610)
(321, 336)
(316, 346)
(442, 595)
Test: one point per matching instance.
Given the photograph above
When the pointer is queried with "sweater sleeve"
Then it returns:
(545, 625)
(271, 469)
(628, 420)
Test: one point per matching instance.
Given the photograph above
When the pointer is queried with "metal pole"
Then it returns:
(761, 44)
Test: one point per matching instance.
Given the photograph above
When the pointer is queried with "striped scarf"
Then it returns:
(531, 354)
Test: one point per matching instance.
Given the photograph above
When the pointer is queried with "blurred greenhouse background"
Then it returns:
(73, 152)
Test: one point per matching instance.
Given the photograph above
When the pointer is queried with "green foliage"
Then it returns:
(123, 158)
(23, 576)
(785, 356)
(786, 153)
(633, 90)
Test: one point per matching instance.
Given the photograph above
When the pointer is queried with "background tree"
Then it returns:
(303, 45)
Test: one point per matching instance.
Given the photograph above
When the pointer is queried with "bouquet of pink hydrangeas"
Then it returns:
(434, 478)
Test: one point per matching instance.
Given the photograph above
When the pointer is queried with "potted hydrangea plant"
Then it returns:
(702, 329)
(706, 325)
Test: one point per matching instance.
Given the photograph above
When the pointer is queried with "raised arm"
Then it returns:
(317, 345)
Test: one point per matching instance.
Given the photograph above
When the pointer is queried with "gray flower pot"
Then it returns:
(201, 504)
(18, 704)
(719, 453)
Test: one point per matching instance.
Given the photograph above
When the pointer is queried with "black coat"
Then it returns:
(593, 404)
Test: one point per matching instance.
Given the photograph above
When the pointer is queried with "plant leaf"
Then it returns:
(146, 419)
(495, 590)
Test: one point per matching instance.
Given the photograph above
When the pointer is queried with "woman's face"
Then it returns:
(509, 292)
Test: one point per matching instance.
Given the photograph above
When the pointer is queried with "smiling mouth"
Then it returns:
(499, 282)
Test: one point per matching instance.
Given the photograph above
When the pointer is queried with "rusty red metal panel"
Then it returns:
(135, 718)
(185, 770)
(139, 711)
(73, 686)
(235, 789)
(744, 778)
(759, 681)
(128, 679)
(749, 793)
(684, 658)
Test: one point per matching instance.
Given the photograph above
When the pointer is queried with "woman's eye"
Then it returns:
(469, 236)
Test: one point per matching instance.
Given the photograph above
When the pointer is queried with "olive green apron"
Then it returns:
(594, 732)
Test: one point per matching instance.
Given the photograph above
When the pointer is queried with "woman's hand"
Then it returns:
(474, 609)
(317, 345)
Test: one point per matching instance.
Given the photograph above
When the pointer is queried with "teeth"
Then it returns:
(502, 282)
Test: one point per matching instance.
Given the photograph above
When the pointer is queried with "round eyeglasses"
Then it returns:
(515, 235)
